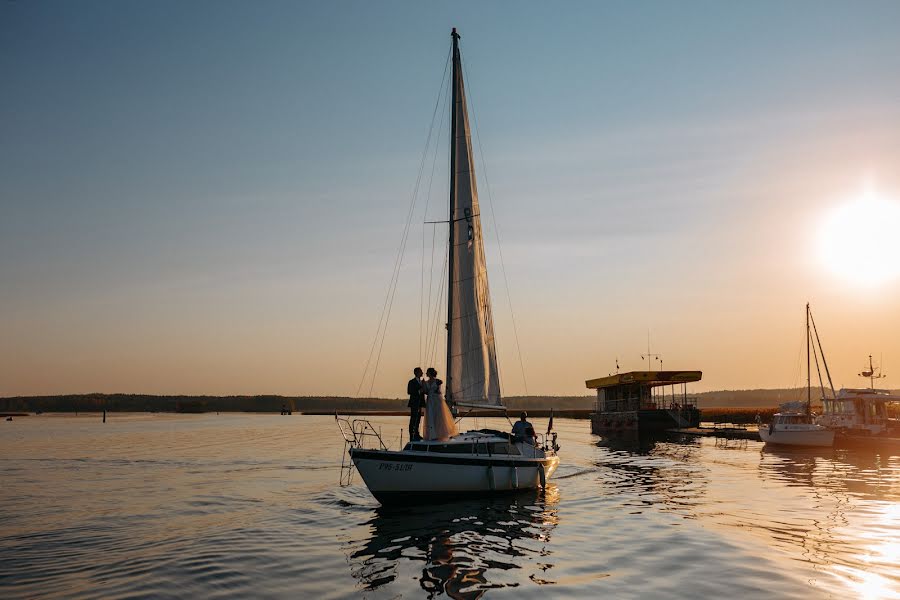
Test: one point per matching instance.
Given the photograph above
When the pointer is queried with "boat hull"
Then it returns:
(811, 437)
(412, 478)
(874, 442)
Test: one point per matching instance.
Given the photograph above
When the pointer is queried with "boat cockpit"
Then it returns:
(484, 442)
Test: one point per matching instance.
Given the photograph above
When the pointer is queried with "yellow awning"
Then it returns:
(650, 378)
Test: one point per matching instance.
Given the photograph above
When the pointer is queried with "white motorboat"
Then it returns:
(795, 428)
(476, 462)
(795, 425)
(859, 411)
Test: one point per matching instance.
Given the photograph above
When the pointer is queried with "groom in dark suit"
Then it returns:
(416, 392)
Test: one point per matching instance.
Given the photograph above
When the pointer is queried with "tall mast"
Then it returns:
(450, 274)
(808, 374)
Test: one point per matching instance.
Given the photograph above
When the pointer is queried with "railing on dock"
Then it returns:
(635, 403)
(722, 426)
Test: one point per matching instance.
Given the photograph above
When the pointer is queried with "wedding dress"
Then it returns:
(439, 423)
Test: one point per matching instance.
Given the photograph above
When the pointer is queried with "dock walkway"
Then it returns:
(723, 430)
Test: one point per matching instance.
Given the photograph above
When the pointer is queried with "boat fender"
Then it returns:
(490, 476)
(543, 477)
(515, 478)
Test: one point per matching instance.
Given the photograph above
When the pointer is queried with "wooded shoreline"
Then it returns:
(739, 406)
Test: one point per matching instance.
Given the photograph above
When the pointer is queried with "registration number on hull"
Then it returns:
(395, 466)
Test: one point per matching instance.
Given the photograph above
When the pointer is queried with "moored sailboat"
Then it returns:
(475, 462)
(794, 424)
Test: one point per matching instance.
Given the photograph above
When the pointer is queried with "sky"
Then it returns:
(209, 197)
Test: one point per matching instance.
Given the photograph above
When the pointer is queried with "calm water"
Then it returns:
(238, 505)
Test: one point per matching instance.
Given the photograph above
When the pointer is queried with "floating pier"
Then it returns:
(720, 430)
(644, 401)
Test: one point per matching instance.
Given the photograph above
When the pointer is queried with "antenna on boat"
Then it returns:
(872, 373)
(648, 357)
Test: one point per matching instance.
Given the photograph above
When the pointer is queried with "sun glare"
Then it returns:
(860, 240)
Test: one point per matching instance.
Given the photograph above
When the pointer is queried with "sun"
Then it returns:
(860, 240)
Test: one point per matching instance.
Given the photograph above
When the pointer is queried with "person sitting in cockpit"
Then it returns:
(523, 431)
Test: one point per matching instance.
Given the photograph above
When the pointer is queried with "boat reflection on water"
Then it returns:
(798, 465)
(463, 548)
(860, 473)
(856, 497)
(650, 471)
(633, 442)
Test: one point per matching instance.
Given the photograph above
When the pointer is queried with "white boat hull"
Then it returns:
(797, 437)
(409, 477)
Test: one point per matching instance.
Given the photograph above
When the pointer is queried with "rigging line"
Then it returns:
(430, 289)
(404, 239)
(392, 286)
(431, 332)
(405, 236)
(821, 383)
(794, 382)
(427, 306)
(421, 294)
(432, 323)
(438, 309)
(822, 352)
(487, 185)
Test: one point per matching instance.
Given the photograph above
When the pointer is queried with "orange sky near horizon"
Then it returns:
(746, 331)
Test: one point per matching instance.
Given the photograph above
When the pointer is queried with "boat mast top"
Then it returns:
(453, 100)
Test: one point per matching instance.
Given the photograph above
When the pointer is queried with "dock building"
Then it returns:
(644, 401)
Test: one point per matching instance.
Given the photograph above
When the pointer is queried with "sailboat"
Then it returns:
(475, 462)
(793, 425)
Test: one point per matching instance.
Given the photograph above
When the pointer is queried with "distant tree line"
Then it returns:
(184, 403)
(273, 403)
(266, 403)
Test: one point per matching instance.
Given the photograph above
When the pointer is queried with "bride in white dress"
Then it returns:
(439, 423)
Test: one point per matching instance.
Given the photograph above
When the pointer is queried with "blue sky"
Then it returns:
(207, 196)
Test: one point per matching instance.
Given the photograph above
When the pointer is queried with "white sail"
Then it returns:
(473, 377)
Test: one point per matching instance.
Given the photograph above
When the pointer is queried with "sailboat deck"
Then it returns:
(484, 443)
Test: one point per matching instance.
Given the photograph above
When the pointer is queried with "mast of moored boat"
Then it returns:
(450, 272)
(808, 372)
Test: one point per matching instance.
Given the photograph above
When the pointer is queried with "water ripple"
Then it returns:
(232, 506)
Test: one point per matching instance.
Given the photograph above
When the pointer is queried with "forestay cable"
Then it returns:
(384, 319)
